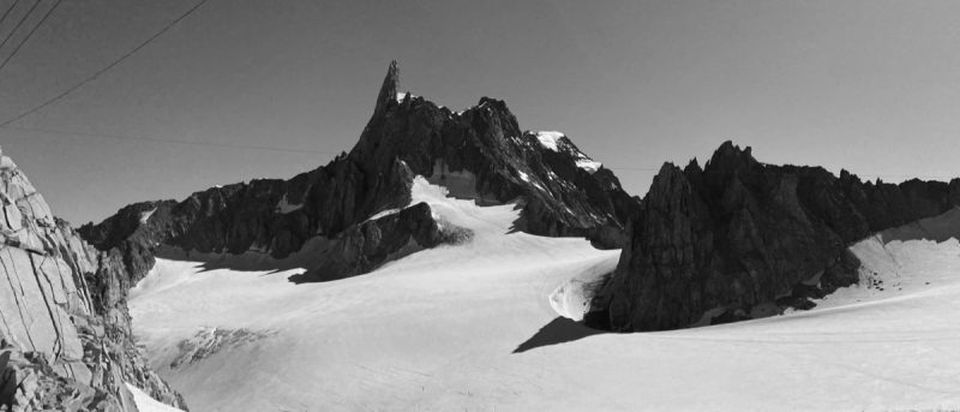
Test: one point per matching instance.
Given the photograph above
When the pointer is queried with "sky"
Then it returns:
(270, 88)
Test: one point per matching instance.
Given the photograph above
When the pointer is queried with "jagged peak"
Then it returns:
(390, 93)
(389, 88)
(846, 175)
(668, 168)
(728, 149)
(669, 184)
(668, 173)
(730, 157)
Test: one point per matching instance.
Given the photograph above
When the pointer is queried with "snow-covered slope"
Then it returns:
(475, 326)
(147, 404)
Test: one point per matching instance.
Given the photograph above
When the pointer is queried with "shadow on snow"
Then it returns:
(559, 330)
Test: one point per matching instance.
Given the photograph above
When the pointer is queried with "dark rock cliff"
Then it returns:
(480, 154)
(63, 348)
(741, 239)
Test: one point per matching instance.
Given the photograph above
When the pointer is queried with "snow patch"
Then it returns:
(145, 216)
(403, 95)
(285, 207)
(572, 298)
(549, 139)
(526, 178)
(589, 165)
(383, 213)
(145, 403)
(899, 269)
(904, 261)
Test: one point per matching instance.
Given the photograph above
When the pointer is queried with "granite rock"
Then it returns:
(738, 236)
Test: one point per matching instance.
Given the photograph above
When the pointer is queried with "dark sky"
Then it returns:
(871, 86)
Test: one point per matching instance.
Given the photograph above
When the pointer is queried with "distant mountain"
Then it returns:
(354, 214)
(65, 330)
(739, 239)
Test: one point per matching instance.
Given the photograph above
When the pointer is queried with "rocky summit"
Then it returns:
(740, 239)
(65, 337)
(335, 219)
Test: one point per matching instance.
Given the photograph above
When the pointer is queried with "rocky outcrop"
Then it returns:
(30, 382)
(479, 154)
(366, 246)
(270, 216)
(739, 239)
(63, 349)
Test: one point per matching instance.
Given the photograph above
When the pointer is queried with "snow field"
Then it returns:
(437, 330)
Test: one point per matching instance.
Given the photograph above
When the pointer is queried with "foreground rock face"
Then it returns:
(739, 239)
(65, 349)
(480, 153)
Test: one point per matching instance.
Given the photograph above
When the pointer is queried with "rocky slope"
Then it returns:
(480, 154)
(66, 339)
(739, 239)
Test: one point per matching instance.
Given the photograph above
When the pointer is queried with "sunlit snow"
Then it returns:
(403, 95)
(549, 139)
(438, 330)
(145, 216)
(147, 404)
(526, 178)
(384, 213)
(588, 164)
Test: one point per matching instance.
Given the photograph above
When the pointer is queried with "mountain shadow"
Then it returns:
(559, 330)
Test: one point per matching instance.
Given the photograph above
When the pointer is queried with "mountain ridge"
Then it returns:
(479, 153)
(739, 239)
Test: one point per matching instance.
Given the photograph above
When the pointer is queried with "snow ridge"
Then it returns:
(549, 139)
